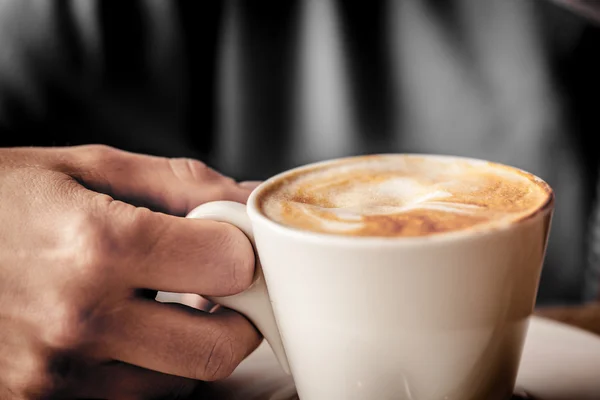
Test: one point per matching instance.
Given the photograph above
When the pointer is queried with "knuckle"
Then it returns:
(100, 154)
(90, 245)
(140, 232)
(219, 359)
(141, 223)
(95, 158)
(239, 271)
(126, 215)
(85, 266)
(187, 169)
(67, 328)
(99, 151)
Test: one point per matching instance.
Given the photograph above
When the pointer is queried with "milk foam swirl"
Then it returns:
(401, 195)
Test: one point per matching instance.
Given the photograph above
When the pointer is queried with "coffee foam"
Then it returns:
(402, 195)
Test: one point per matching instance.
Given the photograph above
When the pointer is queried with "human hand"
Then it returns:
(79, 256)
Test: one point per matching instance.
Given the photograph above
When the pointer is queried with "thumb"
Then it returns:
(171, 185)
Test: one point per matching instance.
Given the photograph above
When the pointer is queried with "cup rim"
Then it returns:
(439, 238)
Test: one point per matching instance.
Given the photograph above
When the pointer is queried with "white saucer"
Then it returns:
(559, 363)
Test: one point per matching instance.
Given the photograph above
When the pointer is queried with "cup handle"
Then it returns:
(254, 303)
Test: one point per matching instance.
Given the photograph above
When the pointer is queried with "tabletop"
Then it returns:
(586, 317)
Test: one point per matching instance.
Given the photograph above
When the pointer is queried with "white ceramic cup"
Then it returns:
(368, 318)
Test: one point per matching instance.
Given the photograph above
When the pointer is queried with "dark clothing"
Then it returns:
(256, 87)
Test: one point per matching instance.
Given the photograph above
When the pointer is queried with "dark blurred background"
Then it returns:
(253, 87)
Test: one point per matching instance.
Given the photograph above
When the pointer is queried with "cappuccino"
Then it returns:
(402, 195)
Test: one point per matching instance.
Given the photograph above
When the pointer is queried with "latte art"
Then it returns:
(402, 195)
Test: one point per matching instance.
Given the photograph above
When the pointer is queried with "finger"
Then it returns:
(251, 185)
(172, 254)
(116, 380)
(172, 185)
(178, 340)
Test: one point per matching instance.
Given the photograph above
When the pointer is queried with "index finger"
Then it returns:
(172, 185)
